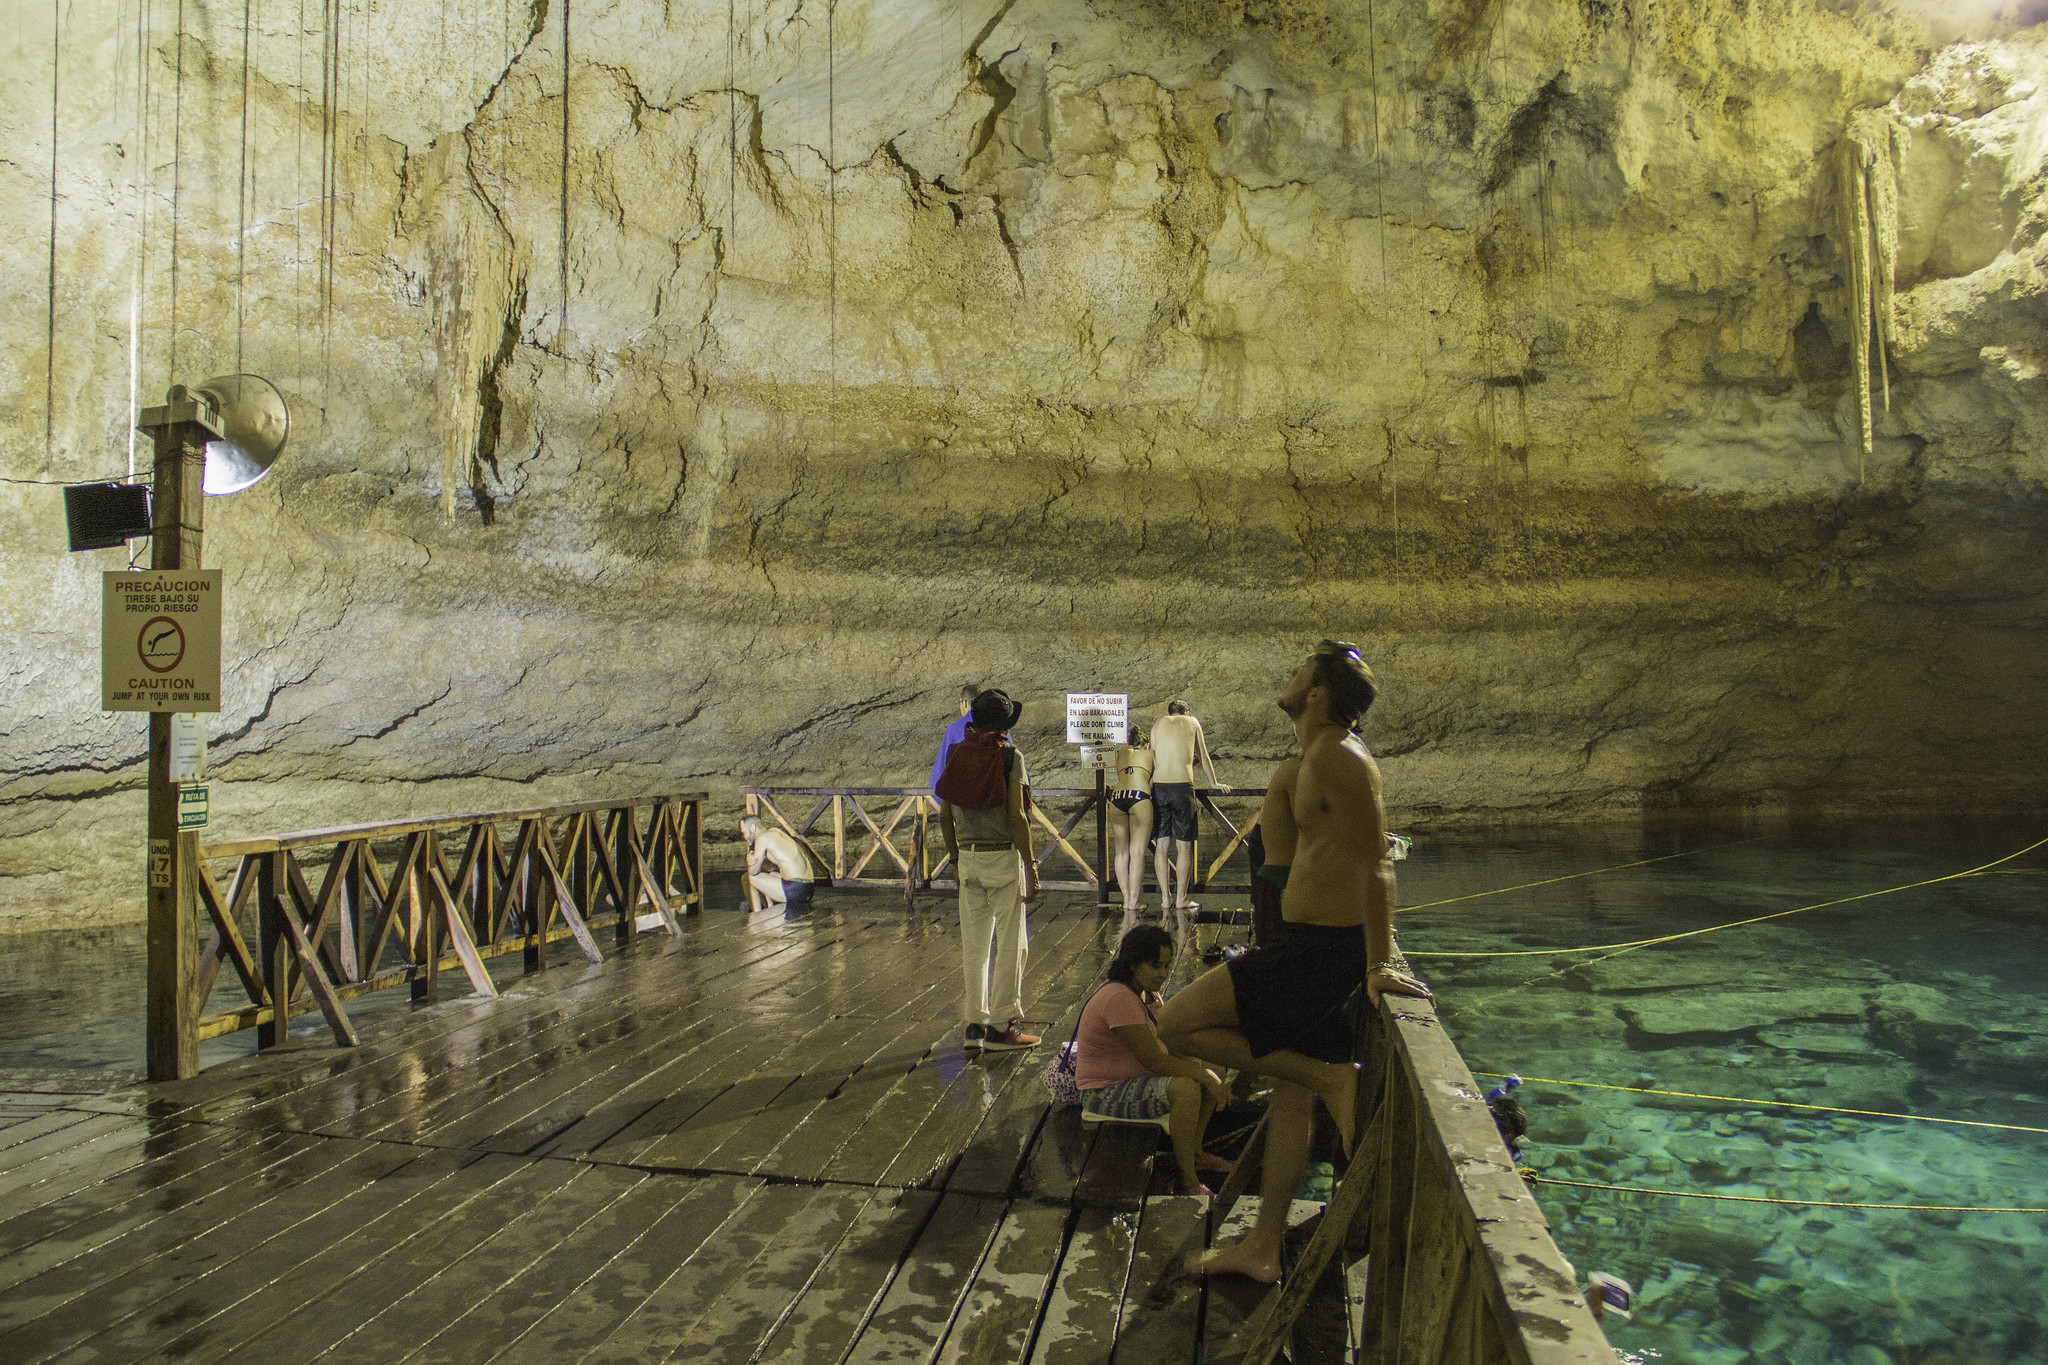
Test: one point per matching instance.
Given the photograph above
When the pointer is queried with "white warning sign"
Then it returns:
(160, 640)
(1098, 717)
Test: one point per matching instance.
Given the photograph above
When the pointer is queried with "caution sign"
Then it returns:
(1098, 718)
(160, 640)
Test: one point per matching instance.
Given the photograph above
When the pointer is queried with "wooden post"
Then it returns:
(181, 430)
(838, 836)
(536, 896)
(693, 812)
(1102, 900)
(276, 947)
(426, 982)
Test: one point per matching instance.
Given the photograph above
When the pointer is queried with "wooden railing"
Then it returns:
(1461, 1268)
(920, 862)
(570, 871)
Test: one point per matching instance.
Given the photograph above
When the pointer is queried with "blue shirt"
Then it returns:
(955, 732)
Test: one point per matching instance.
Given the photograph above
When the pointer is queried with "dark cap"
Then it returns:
(993, 710)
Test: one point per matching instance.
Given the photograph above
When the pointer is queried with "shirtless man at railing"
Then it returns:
(777, 866)
(1177, 740)
(1279, 1011)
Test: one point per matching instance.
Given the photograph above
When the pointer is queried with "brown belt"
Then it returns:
(988, 848)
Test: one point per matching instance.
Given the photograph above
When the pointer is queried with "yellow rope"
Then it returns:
(1536, 1179)
(1780, 1104)
(1548, 881)
(1737, 924)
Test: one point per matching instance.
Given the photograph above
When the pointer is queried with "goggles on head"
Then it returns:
(1338, 649)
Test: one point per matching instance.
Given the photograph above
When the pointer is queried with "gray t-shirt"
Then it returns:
(988, 826)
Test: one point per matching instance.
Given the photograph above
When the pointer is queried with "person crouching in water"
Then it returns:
(1125, 1072)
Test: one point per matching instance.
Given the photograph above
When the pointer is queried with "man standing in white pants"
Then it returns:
(984, 797)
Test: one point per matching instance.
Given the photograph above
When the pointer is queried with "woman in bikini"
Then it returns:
(1130, 817)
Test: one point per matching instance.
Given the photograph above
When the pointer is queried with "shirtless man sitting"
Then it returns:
(1279, 1011)
(1177, 740)
(777, 866)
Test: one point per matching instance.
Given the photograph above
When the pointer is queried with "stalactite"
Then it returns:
(1867, 183)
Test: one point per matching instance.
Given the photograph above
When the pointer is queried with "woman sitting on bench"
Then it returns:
(1126, 1074)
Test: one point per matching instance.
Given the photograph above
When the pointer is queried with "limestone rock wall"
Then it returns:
(685, 397)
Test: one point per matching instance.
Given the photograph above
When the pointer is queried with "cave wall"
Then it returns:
(679, 404)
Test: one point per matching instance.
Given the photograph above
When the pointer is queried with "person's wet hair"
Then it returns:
(1176, 708)
(1349, 681)
(1138, 947)
(969, 691)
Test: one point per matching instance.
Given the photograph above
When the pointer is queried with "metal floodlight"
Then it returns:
(99, 516)
(254, 423)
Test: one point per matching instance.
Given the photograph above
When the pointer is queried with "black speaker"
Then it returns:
(101, 515)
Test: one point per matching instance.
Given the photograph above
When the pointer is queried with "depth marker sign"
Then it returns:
(160, 640)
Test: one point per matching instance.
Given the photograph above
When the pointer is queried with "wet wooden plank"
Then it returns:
(796, 1039)
(1058, 1155)
(38, 1123)
(1086, 1302)
(992, 1155)
(388, 1299)
(107, 1307)
(482, 1324)
(316, 1300)
(1118, 1172)
(609, 1078)
(814, 1141)
(56, 1231)
(61, 1139)
(680, 1243)
(65, 1171)
(846, 1288)
(1228, 1300)
(1163, 1298)
(996, 1322)
(943, 1079)
(923, 1299)
(406, 1052)
(76, 1265)
(753, 1143)
(659, 1291)
(735, 1324)
(634, 1103)
(414, 1094)
(1014, 1093)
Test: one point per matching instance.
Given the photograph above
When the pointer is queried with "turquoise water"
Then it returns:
(1926, 1002)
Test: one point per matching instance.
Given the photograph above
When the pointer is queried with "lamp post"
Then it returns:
(181, 429)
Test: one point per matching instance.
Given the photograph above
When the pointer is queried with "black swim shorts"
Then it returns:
(1296, 993)
(796, 893)
(1173, 804)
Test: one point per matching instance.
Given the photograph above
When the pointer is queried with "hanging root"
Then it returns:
(1869, 204)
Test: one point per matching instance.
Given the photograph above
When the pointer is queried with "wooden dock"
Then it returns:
(760, 1141)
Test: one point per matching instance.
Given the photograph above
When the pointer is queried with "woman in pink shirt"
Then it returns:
(1125, 1072)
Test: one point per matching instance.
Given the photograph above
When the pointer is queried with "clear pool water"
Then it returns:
(1928, 1002)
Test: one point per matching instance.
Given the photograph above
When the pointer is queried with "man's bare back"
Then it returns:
(1178, 741)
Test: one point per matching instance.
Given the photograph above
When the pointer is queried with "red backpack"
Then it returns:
(977, 770)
